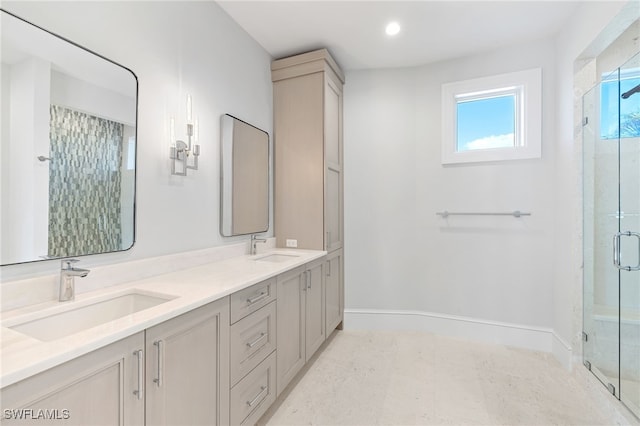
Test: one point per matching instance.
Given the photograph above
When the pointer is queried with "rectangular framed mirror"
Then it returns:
(67, 147)
(244, 178)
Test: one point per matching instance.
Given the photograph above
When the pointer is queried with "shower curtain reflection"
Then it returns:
(84, 208)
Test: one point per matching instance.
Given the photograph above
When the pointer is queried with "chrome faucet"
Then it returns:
(67, 279)
(254, 241)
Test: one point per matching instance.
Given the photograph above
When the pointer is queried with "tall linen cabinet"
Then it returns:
(307, 96)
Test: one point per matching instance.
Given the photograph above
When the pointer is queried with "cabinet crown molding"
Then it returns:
(305, 63)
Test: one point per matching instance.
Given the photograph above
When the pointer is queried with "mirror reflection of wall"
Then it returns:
(245, 178)
(67, 148)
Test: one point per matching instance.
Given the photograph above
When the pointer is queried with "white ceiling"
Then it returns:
(432, 31)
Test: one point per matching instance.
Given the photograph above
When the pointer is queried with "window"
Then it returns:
(613, 107)
(486, 122)
(492, 118)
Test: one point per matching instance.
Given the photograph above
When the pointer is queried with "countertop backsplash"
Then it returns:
(24, 292)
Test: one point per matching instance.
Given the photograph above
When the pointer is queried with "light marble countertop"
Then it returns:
(22, 356)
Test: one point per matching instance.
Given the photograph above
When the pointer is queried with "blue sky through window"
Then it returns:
(486, 123)
(611, 105)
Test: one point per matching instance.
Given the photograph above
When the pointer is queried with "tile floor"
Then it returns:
(413, 378)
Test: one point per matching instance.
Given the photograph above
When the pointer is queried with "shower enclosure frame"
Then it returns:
(611, 232)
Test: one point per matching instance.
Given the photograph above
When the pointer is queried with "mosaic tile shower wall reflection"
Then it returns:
(84, 183)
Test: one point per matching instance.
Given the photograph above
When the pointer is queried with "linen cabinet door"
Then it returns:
(299, 161)
(314, 312)
(333, 165)
(290, 325)
(188, 368)
(103, 387)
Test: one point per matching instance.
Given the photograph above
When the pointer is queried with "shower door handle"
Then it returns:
(616, 250)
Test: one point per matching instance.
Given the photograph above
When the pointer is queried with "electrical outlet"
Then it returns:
(292, 243)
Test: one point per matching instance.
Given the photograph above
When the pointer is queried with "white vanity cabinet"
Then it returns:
(104, 387)
(174, 373)
(187, 374)
(301, 328)
(222, 363)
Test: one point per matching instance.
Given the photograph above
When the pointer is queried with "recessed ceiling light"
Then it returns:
(393, 28)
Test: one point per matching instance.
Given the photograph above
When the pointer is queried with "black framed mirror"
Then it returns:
(245, 178)
(68, 147)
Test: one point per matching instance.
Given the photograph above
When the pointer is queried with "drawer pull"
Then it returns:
(257, 397)
(159, 344)
(140, 355)
(257, 298)
(255, 342)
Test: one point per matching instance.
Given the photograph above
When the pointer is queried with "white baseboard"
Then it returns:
(562, 351)
(527, 337)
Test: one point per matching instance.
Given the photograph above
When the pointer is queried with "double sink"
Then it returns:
(66, 319)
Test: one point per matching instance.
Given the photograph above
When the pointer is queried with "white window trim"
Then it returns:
(527, 85)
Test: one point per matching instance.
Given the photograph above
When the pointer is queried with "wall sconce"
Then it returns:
(181, 151)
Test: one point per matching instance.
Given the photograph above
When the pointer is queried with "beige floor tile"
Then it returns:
(413, 378)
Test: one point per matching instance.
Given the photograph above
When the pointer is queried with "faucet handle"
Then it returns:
(69, 262)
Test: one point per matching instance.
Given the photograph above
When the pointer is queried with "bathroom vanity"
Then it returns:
(209, 344)
(213, 344)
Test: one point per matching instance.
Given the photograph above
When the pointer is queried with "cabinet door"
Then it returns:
(334, 294)
(299, 160)
(333, 165)
(291, 325)
(314, 312)
(188, 368)
(99, 388)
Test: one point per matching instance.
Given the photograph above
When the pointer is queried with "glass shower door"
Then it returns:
(600, 216)
(611, 179)
(629, 236)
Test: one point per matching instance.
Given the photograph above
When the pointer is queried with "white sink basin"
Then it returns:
(276, 257)
(65, 320)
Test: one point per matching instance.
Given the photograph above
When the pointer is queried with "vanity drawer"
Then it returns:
(251, 299)
(252, 339)
(254, 394)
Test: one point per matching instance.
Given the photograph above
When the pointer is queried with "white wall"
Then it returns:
(400, 255)
(25, 203)
(175, 49)
(594, 26)
(83, 96)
